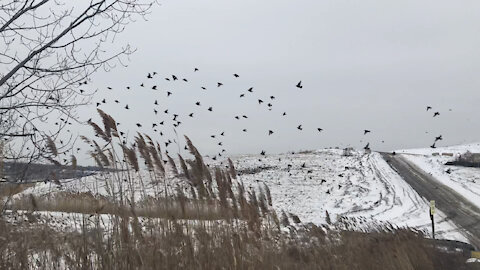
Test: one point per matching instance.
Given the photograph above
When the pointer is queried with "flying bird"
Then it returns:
(270, 132)
(174, 77)
(139, 125)
(149, 76)
(439, 138)
(235, 75)
(436, 114)
(191, 115)
(428, 108)
(197, 103)
(299, 84)
(195, 70)
(242, 95)
(260, 101)
(319, 129)
(210, 108)
(250, 89)
(126, 107)
(154, 87)
(366, 131)
(219, 84)
(299, 127)
(168, 93)
(185, 80)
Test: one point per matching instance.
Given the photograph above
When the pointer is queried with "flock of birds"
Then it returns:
(176, 118)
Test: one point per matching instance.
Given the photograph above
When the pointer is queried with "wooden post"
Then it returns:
(432, 211)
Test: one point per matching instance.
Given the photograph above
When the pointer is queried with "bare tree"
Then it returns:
(48, 51)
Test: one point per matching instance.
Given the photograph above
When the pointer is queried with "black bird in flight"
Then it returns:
(116, 101)
(174, 77)
(195, 70)
(237, 117)
(197, 103)
(168, 79)
(154, 73)
(210, 108)
(139, 125)
(219, 84)
(204, 88)
(154, 87)
(439, 138)
(244, 116)
(104, 101)
(242, 95)
(366, 131)
(272, 97)
(270, 132)
(81, 91)
(155, 111)
(299, 84)
(109, 88)
(142, 85)
(161, 123)
(220, 143)
(149, 76)
(191, 115)
(236, 75)
(367, 147)
(260, 101)
(175, 117)
(126, 107)
(262, 153)
(244, 130)
(166, 111)
(250, 89)
(185, 80)
(213, 136)
(428, 108)
(436, 114)
(168, 93)
(128, 87)
(319, 129)
(156, 102)
(98, 104)
(299, 127)
(154, 125)
(284, 113)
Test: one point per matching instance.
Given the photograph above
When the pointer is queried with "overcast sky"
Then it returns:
(364, 65)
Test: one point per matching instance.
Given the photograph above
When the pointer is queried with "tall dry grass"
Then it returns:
(208, 220)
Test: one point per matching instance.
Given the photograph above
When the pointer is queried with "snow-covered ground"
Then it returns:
(360, 186)
(464, 180)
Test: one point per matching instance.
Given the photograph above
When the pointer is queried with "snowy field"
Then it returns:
(359, 186)
(464, 180)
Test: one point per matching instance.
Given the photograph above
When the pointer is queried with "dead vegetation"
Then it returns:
(209, 221)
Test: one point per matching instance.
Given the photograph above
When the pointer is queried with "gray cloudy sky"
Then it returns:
(367, 64)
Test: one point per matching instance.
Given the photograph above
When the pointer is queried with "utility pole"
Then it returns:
(432, 211)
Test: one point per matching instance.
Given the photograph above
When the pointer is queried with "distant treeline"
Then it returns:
(32, 172)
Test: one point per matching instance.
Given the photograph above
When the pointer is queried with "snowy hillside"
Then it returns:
(359, 186)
